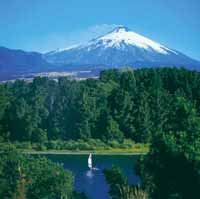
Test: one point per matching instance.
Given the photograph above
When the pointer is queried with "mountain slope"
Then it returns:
(16, 62)
(121, 47)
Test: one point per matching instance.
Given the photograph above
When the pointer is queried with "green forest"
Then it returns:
(120, 104)
(27, 177)
(159, 107)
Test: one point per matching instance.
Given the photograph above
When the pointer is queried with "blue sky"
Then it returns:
(44, 25)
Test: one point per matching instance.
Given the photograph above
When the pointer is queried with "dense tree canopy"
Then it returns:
(120, 104)
(33, 178)
(172, 168)
(156, 106)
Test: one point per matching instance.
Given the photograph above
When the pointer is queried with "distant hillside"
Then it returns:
(17, 62)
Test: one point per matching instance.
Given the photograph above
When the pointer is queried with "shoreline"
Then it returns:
(64, 152)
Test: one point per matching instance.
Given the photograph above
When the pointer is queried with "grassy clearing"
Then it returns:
(131, 151)
(82, 147)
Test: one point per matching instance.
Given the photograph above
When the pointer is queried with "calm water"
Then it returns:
(93, 183)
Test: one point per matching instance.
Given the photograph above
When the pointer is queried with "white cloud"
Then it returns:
(101, 28)
(63, 40)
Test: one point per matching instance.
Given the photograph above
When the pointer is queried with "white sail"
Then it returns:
(90, 161)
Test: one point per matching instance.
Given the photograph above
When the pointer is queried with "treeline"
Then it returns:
(133, 104)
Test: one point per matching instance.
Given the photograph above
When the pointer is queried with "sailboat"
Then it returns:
(90, 161)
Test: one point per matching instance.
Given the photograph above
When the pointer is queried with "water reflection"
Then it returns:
(90, 174)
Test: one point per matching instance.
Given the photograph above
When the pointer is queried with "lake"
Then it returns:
(93, 183)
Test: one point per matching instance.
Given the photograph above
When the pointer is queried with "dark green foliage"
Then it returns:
(143, 123)
(54, 183)
(79, 196)
(33, 178)
(120, 104)
(121, 108)
(173, 161)
(119, 187)
(115, 179)
(4, 104)
(108, 128)
(160, 106)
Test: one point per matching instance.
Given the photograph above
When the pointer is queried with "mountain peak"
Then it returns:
(119, 47)
(122, 36)
(121, 29)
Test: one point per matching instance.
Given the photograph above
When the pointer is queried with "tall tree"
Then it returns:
(143, 121)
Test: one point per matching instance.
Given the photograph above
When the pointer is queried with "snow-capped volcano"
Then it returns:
(120, 47)
(122, 35)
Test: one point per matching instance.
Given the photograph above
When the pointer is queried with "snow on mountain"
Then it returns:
(120, 47)
(122, 34)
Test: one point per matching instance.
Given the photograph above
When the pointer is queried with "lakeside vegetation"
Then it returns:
(123, 108)
(82, 146)
(23, 176)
